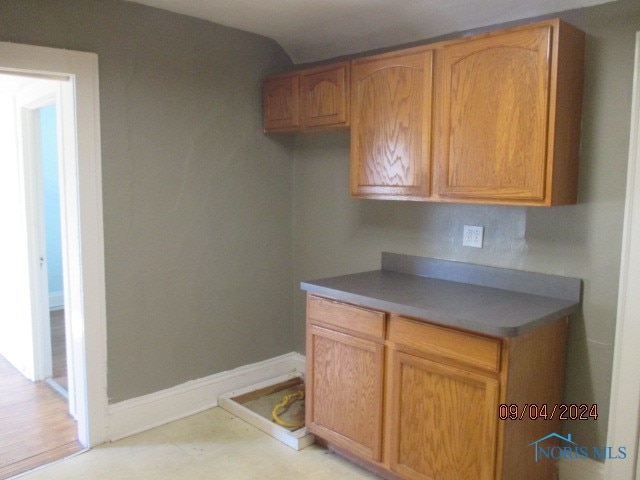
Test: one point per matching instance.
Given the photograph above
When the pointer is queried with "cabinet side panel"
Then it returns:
(535, 375)
(565, 127)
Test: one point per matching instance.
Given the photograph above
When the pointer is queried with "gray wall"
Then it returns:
(334, 234)
(197, 201)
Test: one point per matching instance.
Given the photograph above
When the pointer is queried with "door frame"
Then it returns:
(82, 179)
(624, 413)
(28, 100)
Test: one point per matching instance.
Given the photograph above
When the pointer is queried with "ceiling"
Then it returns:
(311, 30)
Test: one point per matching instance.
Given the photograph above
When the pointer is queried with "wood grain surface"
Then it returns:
(324, 93)
(493, 132)
(344, 390)
(442, 420)
(35, 426)
(391, 124)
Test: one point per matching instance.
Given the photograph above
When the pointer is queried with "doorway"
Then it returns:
(38, 419)
(76, 73)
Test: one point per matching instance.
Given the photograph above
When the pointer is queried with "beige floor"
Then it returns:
(210, 445)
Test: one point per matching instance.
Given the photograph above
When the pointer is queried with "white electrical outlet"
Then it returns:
(472, 236)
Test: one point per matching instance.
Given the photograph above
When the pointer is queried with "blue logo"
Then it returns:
(570, 450)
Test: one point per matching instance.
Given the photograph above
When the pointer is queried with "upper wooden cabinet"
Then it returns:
(315, 98)
(324, 96)
(391, 125)
(491, 118)
(508, 116)
(281, 103)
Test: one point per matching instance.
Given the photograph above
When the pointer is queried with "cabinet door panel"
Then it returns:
(391, 125)
(324, 99)
(494, 118)
(442, 421)
(344, 391)
(280, 97)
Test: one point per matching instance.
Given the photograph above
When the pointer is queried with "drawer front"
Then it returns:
(347, 317)
(466, 348)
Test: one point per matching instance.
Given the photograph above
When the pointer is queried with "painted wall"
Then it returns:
(334, 234)
(197, 201)
(51, 192)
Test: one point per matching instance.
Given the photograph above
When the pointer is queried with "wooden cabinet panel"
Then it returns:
(465, 348)
(280, 103)
(495, 96)
(344, 391)
(442, 421)
(421, 400)
(500, 101)
(323, 96)
(346, 317)
(391, 125)
(315, 98)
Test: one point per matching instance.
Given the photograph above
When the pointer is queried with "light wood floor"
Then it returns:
(35, 426)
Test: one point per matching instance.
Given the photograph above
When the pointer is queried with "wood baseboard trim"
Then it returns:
(584, 469)
(143, 413)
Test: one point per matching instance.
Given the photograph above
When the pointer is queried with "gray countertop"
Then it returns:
(488, 300)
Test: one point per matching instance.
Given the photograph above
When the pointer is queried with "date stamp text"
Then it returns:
(543, 411)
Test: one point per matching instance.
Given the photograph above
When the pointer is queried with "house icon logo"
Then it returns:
(544, 452)
(567, 449)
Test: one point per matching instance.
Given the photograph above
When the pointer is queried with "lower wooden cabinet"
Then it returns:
(442, 420)
(344, 402)
(416, 400)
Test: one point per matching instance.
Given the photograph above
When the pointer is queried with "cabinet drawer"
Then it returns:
(346, 317)
(469, 349)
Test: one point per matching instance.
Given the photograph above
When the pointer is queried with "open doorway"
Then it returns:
(75, 98)
(30, 208)
(38, 418)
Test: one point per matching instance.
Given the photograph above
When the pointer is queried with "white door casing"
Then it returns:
(82, 215)
(624, 412)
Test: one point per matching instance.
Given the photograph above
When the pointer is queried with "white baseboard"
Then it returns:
(143, 413)
(586, 469)
(56, 300)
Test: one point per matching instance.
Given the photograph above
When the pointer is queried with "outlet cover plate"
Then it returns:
(472, 236)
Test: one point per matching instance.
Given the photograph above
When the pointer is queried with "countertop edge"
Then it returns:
(437, 317)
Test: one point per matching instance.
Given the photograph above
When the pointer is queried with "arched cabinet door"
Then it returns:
(391, 125)
(495, 101)
(507, 124)
(281, 103)
(324, 96)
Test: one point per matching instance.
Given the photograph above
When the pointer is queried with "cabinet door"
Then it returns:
(391, 125)
(323, 96)
(493, 118)
(280, 98)
(442, 420)
(344, 391)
